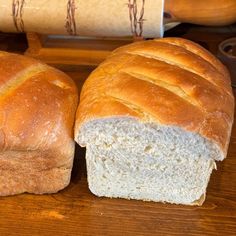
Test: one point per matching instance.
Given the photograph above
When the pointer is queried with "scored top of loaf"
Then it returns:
(37, 106)
(170, 81)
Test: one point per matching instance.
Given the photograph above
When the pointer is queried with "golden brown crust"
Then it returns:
(38, 105)
(170, 81)
(200, 51)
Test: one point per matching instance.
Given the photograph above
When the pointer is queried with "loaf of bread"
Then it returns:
(154, 117)
(37, 112)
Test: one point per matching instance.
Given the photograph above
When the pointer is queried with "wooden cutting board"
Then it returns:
(76, 211)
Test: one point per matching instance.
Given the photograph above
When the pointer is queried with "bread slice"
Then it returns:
(37, 112)
(154, 117)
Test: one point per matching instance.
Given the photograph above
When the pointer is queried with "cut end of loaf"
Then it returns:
(133, 160)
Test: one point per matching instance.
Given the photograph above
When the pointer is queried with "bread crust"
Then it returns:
(170, 81)
(38, 105)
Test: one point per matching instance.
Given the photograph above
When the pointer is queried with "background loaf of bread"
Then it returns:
(154, 117)
(37, 110)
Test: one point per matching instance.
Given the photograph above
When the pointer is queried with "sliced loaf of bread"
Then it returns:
(154, 117)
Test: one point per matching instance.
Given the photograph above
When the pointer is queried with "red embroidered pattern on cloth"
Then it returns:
(70, 19)
(136, 18)
(17, 14)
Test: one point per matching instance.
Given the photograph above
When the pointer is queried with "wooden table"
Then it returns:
(76, 211)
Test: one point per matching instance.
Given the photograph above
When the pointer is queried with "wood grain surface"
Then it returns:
(76, 211)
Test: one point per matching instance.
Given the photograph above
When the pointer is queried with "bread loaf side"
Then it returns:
(37, 111)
